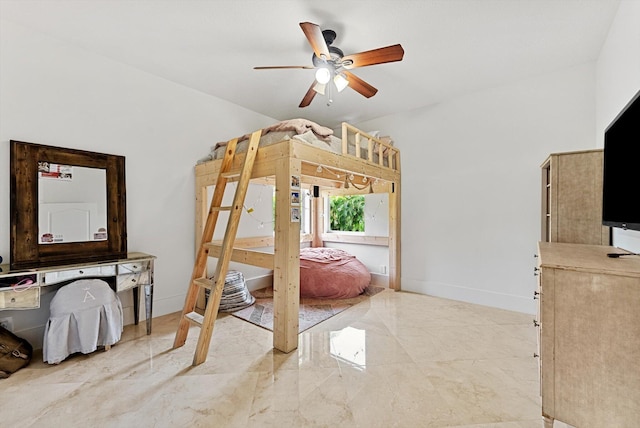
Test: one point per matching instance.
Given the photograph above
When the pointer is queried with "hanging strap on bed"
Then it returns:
(199, 280)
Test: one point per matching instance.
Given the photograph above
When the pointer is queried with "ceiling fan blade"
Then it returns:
(375, 56)
(316, 39)
(274, 67)
(308, 97)
(359, 85)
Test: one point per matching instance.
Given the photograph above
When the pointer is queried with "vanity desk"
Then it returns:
(134, 272)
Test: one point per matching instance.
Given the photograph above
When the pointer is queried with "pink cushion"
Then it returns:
(331, 273)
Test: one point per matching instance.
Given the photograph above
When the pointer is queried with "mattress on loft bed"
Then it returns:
(301, 130)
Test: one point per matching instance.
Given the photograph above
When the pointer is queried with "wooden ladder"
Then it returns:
(198, 277)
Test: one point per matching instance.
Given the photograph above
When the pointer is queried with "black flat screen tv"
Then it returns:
(621, 179)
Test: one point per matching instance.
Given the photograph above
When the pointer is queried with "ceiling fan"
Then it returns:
(332, 64)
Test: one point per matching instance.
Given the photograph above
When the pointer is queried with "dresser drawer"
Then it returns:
(26, 298)
(127, 268)
(64, 275)
(131, 280)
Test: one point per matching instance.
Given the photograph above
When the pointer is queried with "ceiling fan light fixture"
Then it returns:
(341, 82)
(330, 63)
(319, 88)
(323, 75)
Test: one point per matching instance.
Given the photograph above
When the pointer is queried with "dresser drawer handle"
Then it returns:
(13, 300)
(81, 272)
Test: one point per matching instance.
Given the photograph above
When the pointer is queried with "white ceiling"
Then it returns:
(451, 46)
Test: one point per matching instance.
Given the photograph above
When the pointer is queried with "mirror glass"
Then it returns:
(72, 203)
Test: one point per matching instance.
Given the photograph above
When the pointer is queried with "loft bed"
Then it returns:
(305, 156)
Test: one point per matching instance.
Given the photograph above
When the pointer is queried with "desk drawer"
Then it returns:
(127, 268)
(26, 298)
(131, 280)
(79, 273)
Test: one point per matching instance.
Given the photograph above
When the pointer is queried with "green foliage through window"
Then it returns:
(347, 213)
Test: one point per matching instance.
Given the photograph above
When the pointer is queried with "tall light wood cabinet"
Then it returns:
(589, 336)
(572, 198)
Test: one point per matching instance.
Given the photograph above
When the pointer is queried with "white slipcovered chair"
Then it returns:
(84, 315)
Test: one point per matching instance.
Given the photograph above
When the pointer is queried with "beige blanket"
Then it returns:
(300, 126)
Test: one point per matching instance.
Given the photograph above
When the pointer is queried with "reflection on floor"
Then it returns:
(395, 360)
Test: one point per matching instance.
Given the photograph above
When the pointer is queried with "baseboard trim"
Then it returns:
(259, 282)
(379, 280)
(471, 295)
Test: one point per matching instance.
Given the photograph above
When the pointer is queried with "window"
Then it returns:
(346, 213)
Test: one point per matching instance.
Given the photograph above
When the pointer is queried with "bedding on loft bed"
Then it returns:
(301, 130)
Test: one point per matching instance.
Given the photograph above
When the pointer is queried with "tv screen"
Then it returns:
(621, 179)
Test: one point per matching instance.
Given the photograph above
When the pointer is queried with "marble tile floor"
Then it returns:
(396, 360)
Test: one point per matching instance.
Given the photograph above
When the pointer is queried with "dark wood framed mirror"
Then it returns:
(92, 191)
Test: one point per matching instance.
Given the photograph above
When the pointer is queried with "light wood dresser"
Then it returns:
(589, 336)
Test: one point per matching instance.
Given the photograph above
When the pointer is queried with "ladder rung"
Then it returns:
(204, 283)
(230, 174)
(195, 318)
(242, 255)
(221, 208)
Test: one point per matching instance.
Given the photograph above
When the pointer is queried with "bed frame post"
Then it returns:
(201, 210)
(202, 204)
(394, 235)
(317, 224)
(286, 273)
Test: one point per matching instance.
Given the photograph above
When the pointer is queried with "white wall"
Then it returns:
(618, 79)
(471, 183)
(55, 94)
(258, 222)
